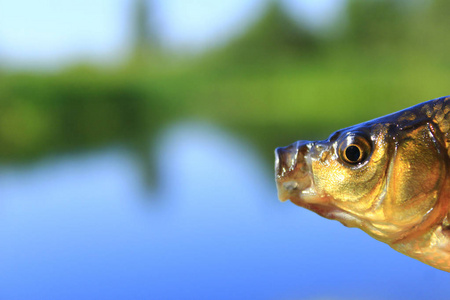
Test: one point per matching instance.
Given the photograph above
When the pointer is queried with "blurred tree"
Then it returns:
(440, 10)
(144, 32)
(431, 30)
(276, 33)
(83, 109)
(375, 24)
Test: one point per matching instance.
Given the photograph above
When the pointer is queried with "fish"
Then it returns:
(389, 177)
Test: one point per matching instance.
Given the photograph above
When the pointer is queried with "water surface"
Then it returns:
(84, 227)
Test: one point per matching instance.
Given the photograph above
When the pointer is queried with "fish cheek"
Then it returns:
(353, 189)
(417, 176)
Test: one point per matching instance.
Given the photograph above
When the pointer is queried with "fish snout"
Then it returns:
(285, 160)
(292, 170)
(289, 158)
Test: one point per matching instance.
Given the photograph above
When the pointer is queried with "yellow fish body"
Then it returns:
(389, 177)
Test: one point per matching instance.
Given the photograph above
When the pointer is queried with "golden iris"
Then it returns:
(354, 148)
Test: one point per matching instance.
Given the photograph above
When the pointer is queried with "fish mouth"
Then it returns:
(293, 172)
(295, 182)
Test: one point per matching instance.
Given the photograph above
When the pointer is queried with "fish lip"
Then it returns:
(286, 159)
(277, 163)
(326, 209)
(293, 173)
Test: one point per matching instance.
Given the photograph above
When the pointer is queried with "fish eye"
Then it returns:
(354, 148)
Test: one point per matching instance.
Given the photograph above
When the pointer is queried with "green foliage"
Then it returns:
(302, 88)
(376, 23)
(40, 114)
(430, 31)
(275, 34)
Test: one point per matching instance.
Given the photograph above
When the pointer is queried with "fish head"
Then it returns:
(379, 176)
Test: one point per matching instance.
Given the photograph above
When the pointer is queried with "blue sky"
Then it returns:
(54, 32)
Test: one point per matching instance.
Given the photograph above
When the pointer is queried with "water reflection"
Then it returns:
(81, 228)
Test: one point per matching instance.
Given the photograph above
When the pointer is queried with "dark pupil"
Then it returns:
(353, 153)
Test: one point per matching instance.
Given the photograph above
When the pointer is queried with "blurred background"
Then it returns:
(137, 142)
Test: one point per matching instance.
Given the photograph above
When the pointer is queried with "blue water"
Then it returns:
(84, 227)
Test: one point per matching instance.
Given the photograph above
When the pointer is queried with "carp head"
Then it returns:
(384, 176)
